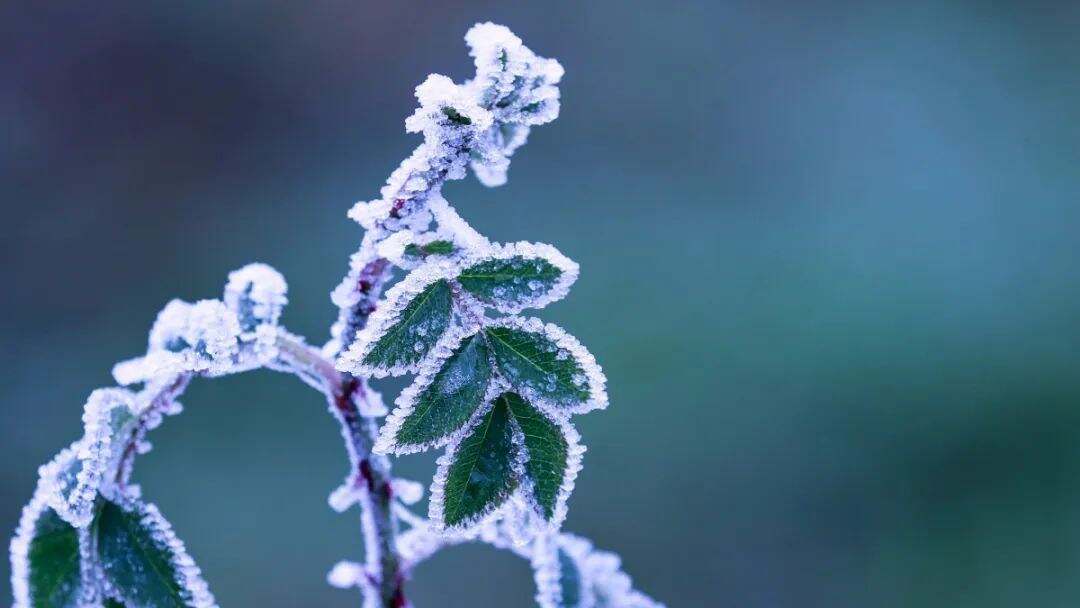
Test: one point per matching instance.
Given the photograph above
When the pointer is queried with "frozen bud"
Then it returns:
(408, 491)
(447, 111)
(256, 293)
(346, 574)
(203, 335)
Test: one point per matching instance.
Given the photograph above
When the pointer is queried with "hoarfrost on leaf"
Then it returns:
(143, 562)
(446, 394)
(414, 315)
(512, 277)
(546, 365)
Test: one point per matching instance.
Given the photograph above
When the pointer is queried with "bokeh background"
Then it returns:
(829, 256)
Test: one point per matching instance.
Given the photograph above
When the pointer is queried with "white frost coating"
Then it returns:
(387, 443)
(71, 480)
(20, 548)
(574, 452)
(455, 227)
(540, 296)
(518, 86)
(393, 247)
(547, 573)
(257, 294)
(202, 337)
(346, 574)
(193, 588)
(592, 374)
(407, 491)
(386, 315)
(491, 512)
(345, 496)
(612, 586)
(372, 405)
(479, 123)
(448, 113)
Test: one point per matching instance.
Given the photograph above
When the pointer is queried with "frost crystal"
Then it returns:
(188, 576)
(71, 480)
(407, 491)
(563, 346)
(407, 399)
(538, 275)
(202, 337)
(20, 547)
(388, 315)
(346, 574)
(256, 293)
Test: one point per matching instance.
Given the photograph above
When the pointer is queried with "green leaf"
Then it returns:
(521, 276)
(539, 368)
(419, 326)
(433, 248)
(137, 558)
(455, 116)
(54, 579)
(547, 449)
(569, 580)
(111, 603)
(455, 392)
(481, 475)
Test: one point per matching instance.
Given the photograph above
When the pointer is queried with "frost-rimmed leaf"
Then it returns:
(546, 365)
(71, 479)
(406, 325)
(143, 562)
(443, 398)
(516, 276)
(479, 473)
(45, 565)
(553, 451)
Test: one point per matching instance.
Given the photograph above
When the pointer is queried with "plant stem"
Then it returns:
(370, 472)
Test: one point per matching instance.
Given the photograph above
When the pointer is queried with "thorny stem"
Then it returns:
(372, 472)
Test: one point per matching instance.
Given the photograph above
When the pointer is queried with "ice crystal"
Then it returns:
(257, 294)
(534, 275)
(72, 478)
(346, 574)
(590, 379)
(188, 576)
(20, 546)
(407, 491)
(203, 337)
(574, 453)
(406, 400)
(388, 315)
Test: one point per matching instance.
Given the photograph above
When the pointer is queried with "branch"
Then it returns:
(369, 472)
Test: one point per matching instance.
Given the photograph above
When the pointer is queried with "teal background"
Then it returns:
(829, 262)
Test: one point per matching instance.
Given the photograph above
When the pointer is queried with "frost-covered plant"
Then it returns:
(494, 390)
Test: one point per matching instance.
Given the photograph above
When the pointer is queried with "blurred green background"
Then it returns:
(829, 263)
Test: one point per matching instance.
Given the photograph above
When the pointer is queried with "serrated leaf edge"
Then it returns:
(568, 268)
(188, 574)
(386, 315)
(405, 403)
(575, 451)
(446, 460)
(594, 374)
